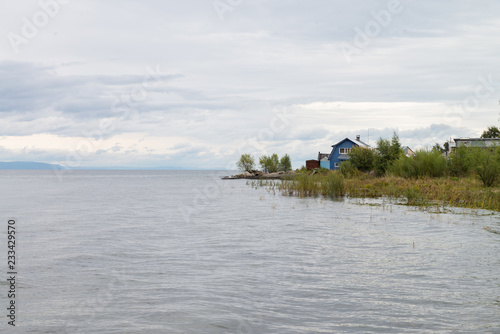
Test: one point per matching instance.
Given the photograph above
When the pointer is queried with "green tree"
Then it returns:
(383, 156)
(387, 153)
(246, 163)
(362, 158)
(285, 164)
(492, 132)
(269, 164)
(396, 149)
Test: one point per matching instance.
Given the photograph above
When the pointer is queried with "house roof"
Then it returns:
(476, 139)
(324, 156)
(355, 141)
(406, 149)
(477, 142)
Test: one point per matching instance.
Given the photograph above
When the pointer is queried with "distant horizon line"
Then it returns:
(34, 165)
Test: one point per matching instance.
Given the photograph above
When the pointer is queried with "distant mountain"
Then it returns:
(44, 166)
(28, 165)
(133, 168)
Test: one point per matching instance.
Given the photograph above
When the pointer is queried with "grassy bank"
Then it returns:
(467, 192)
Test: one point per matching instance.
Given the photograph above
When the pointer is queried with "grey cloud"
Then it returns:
(26, 87)
(235, 72)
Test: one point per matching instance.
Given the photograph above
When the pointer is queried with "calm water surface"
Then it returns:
(183, 252)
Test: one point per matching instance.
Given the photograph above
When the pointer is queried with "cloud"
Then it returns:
(221, 82)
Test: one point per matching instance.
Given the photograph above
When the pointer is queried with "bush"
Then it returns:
(459, 163)
(429, 163)
(362, 158)
(403, 167)
(348, 169)
(487, 165)
(424, 164)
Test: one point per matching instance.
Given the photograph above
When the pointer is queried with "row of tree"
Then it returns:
(389, 158)
(269, 164)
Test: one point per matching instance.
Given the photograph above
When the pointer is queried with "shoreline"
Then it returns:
(257, 175)
(466, 192)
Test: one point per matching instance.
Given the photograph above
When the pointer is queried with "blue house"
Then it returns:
(341, 150)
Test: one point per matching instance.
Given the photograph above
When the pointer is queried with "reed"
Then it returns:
(333, 185)
(466, 192)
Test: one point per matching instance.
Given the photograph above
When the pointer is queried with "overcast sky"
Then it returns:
(195, 83)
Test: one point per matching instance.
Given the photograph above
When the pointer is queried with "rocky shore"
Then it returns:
(258, 175)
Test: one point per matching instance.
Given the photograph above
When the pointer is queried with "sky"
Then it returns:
(194, 84)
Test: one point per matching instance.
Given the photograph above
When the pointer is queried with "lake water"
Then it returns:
(184, 252)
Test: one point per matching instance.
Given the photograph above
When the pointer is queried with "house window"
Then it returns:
(345, 150)
(337, 165)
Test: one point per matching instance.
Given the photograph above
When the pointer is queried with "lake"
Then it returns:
(185, 252)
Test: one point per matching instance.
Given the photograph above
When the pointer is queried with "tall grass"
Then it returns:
(467, 192)
(304, 185)
(330, 184)
(333, 185)
(413, 196)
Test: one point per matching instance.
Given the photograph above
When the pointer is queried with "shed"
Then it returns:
(312, 164)
(324, 160)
